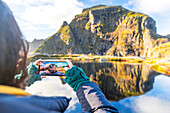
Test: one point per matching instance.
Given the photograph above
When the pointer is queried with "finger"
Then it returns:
(66, 68)
(37, 61)
(69, 63)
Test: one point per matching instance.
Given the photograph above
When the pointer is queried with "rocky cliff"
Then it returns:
(110, 30)
(168, 36)
(35, 44)
(160, 51)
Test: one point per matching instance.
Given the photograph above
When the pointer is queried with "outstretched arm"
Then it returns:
(92, 99)
(89, 94)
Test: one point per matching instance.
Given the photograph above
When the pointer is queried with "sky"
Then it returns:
(39, 19)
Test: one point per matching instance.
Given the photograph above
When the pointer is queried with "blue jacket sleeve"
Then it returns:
(33, 104)
(93, 100)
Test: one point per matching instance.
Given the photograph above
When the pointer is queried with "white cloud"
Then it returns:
(53, 14)
(150, 6)
(43, 12)
(39, 2)
(52, 86)
(157, 100)
(18, 2)
(159, 10)
(148, 104)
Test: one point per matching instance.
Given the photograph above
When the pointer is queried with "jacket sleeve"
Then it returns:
(92, 99)
(32, 104)
(58, 104)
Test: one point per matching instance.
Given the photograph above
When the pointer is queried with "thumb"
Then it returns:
(66, 68)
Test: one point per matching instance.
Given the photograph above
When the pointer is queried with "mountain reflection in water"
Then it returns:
(119, 80)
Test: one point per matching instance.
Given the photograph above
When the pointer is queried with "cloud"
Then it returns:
(51, 13)
(40, 2)
(148, 104)
(16, 2)
(52, 86)
(157, 100)
(150, 6)
(159, 10)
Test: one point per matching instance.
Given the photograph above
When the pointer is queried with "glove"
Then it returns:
(32, 69)
(76, 77)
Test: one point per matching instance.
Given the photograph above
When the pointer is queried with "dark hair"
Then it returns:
(13, 49)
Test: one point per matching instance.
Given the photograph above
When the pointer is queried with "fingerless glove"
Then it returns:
(75, 77)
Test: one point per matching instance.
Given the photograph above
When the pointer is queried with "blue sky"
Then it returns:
(42, 18)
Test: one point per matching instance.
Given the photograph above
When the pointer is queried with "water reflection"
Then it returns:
(156, 100)
(119, 80)
(54, 86)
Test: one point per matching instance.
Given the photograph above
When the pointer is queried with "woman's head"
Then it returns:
(12, 47)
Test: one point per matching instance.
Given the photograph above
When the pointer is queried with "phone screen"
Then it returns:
(52, 68)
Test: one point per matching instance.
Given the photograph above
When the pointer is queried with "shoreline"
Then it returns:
(160, 65)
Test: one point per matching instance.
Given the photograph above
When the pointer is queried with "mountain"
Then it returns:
(168, 35)
(101, 30)
(162, 50)
(35, 44)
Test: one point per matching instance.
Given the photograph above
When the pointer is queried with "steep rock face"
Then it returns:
(162, 50)
(35, 44)
(110, 30)
(168, 35)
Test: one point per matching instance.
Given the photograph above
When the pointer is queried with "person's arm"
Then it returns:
(89, 94)
(92, 99)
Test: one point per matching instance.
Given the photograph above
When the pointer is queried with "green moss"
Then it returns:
(127, 94)
(64, 31)
(98, 29)
(133, 14)
(158, 68)
(83, 14)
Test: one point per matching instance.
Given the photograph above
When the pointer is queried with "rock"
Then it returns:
(101, 30)
(161, 50)
(35, 44)
(168, 36)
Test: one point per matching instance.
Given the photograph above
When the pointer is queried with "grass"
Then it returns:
(159, 65)
(89, 57)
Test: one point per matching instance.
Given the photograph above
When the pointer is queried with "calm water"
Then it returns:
(131, 88)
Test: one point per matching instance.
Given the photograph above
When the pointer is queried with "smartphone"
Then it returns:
(52, 67)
